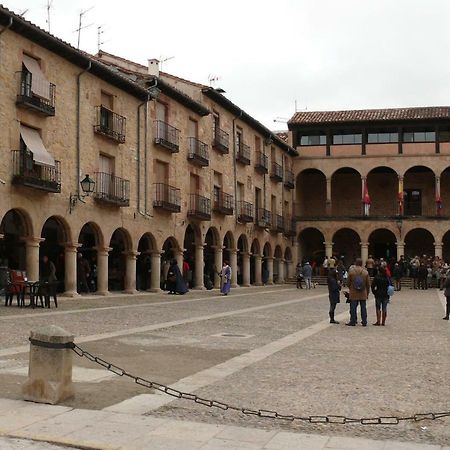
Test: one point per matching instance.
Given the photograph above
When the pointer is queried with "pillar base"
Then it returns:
(198, 288)
(70, 294)
(235, 286)
(131, 291)
(102, 293)
(270, 283)
(246, 285)
(258, 284)
(154, 290)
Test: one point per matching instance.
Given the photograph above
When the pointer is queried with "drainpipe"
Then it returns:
(4, 29)
(235, 164)
(78, 166)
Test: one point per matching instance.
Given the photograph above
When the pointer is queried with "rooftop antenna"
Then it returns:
(100, 31)
(213, 79)
(163, 59)
(22, 14)
(281, 120)
(48, 7)
(80, 26)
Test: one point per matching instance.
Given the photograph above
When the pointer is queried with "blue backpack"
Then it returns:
(358, 283)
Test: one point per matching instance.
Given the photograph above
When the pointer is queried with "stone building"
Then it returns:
(179, 171)
(372, 182)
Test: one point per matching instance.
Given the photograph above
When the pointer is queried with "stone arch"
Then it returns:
(212, 242)
(228, 245)
(311, 246)
(346, 245)
(382, 244)
(169, 249)
(419, 191)
(267, 250)
(146, 245)
(382, 185)
(418, 242)
(346, 192)
(445, 192)
(446, 247)
(311, 193)
(120, 244)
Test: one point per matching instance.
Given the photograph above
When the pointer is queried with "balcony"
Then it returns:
(27, 173)
(261, 163)
(277, 172)
(290, 227)
(289, 179)
(28, 99)
(277, 224)
(245, 212)
(111, 189)
(221, 141)
(167, 198)
(223, 203)
(110, 124)
(167, 136)
(263, 218)
(243, 153)
(199, 207)
(198, 152)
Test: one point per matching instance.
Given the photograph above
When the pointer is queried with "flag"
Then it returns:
(366, 197)
(400, 196)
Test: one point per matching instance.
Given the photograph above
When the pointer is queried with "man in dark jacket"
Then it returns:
(359, 288)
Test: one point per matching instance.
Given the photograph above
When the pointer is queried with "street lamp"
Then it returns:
(87, 186)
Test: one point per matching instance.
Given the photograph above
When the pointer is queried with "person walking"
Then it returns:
(359, 287)
(334, 289)
(299, 275)
(225, 275)
(83, 271)
(397, 275)
(307, 274)
(447, 296)
(379, 287)
(175, 280)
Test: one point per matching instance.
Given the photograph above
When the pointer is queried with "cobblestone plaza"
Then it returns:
(269, 348)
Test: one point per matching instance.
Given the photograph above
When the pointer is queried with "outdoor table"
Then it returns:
(27, 287)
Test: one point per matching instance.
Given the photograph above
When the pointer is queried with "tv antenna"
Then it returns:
(100, 31)
(48, 7)
(80, 24)
(163, 59)
(281, 119)
(22, 14)
(213, 79)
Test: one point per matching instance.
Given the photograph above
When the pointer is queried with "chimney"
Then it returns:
(153, 67)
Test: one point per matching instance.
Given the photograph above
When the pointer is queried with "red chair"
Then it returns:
(16, 286)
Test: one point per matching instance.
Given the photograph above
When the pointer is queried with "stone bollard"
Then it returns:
(50, 371)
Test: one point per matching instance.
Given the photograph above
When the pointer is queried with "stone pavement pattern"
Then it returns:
(266, 348)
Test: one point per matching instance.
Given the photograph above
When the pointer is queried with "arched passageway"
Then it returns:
(169, 252)
(288, 268)
(255, 260)
(277, 266)
(419, 192)
(55, 235)
(189, 270)
(446, 247)
(311, 193)
(382, 244)
(146, 246)
(87, 258)
(267, 264)
(117, 261)
(211, 253)
(243, 260)
(445, 193)
(419, 242)
(347, 246)
(382, 185)
(311, 246)
(346, 198)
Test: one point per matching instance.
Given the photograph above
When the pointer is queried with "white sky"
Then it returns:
(324, 54)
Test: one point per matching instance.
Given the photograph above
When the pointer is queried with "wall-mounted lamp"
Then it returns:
(87, 186)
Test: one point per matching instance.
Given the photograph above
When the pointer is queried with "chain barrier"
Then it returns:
(264, 413)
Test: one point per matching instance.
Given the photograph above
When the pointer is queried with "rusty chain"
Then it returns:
(264, 413)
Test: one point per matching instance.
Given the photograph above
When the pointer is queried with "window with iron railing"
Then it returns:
(262, 162)
(199, 207)
(289, 179)
(112, 189)
(277, 171)
(263, 217)
(198, 151)
(44, 104)
(110, 124)
(223, 202)
(221, 140)
(167, 197)
(245, 211)
(167, 136)
(243, 153)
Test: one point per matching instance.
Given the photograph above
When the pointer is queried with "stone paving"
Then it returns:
(268, 347)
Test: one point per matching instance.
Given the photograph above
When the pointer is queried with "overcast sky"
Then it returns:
(322, 54)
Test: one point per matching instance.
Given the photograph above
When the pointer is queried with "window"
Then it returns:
(444, 134)
(107, 100)
(257, 143)
(413, 202)
(419, 136)
(382, 137)
(240, 192)
(348, 139)
(273, 204)
(193, 128)
(161, 112)
(194, 183)
(216, 123)
(258, 199)
(239, 140)
(319, 139)
(161, 172)
(217, 187)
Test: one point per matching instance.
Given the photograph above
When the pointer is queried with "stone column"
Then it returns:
(290, 269)
(280, 262)
(70, 275)
(295, 253)
(258, 270)
(246, 269)
(102, 270)
(130, 274)
(178, 254)
(155, 275)
(400, 249)
(218, 257)
(364, 207)
(364, 251)
(270, 269)
(438, 196)
(199, 267)
(32, 257)
(400, 198)
(328, 249)
(233, 265)
(438, 249)
(328, 205)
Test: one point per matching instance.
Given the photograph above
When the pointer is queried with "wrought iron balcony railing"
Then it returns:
(263, 218)
(167, 197)
(243, 153)
(27, 173)
(261, 162)
(167, 136)
(277, 223)
(221, 141)
(289, 226)
(245, 212)
(198, 152)
(111, 189)
(110, 124)
(30, 100)
(223, 203)
(199, 207)
(277, 172)
(289, 179)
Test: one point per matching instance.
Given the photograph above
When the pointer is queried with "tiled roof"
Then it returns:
(283, 135)
(371, 115)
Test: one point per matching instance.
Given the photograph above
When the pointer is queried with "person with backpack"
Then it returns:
(380, 286)
(359, 287)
